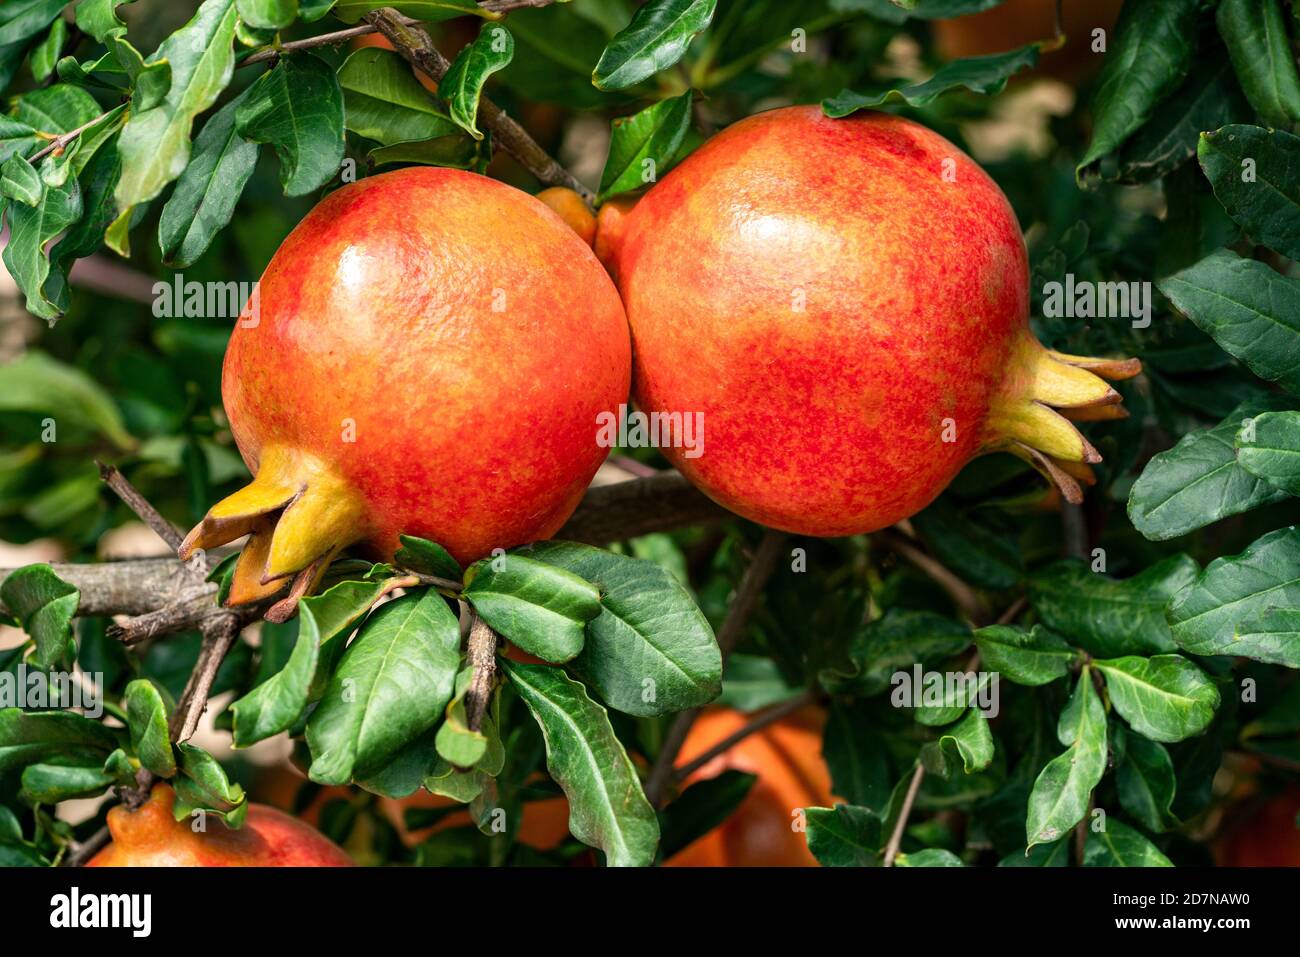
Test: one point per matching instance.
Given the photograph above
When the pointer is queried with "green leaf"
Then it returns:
(1255, 33)
(982, 74)
(31, 230)
(1121, 846)
(895, 643)
(1199, 481)
(1108, 616)
(27, 737)
(206, 194)
(455, 742)
(929, 857)
(384, 102)
(650, 651)
(1146, 783)
(267, 14)
(700, 808)
(47, 52)
(1208, 99)
(1255, 174)
(607, 808)
(1033, 658)
(297, 108)
(752, 682)
(1056, 854)
(427, 558)
(966, 745)
(391, 686)
(155, 143)
(1149, 56)
(37, 383)
(455, 152)
(657, 37)
(844, 836)
(642, 147)
(976, 553)
(405, 771)
(147, 721)
(1225, 611)
(430, 11)
(99, 19)
(462, 86)
(1268, 447)
(542, 609)
(203, 785)
(1059, 799)
(1164, 697)
(98, 181)
(52, 783)
(856, 757)
(20, 20)
(44, 606)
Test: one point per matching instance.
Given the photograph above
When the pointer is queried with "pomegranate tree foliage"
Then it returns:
(1128, 673)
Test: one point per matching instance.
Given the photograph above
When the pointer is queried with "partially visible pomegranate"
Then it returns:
(150, 836)
(845, 301)
(429, 353)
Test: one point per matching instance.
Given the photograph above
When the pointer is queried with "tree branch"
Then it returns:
(481, 652)
(896, 838)
(324, 39)
(218, 637)
(129, 494)
(769, 717)
(414, 44)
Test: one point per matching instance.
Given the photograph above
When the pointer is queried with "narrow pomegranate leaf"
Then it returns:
(205, 196)
(51, 783)
(1148, 57)
(46, 53)
(539, 607)
(455, 742)
(1255, 173)
(982, 74)
(1256, 35)
(384, 102)
(203, 785)
(649, 650)
(267, 14)
(1268, 447)
(391, 686)
(1118, 845)
(607, 808)
(1146, 783)
(895, 642)
(297, 108)
(20, 20)
(644, 146)
(27, 737)
(965, 746)
(462, 86)
(1165, 697)
(657, 37)
(856, 756)
(405, 772)
(1059, 799)
(427, 558)
(27, 253)
(845, 835)
(702, 807)
(146, 719)
(43, 604)
(1033, 658)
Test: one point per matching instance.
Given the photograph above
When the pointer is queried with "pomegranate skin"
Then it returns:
(150, 837)
(428, 355)
(846, 303)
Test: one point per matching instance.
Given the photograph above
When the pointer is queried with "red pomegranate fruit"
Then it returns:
(428, 354)
(150, 836)
(844, 304)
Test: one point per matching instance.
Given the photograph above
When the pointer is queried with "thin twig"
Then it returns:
(962, 595)
(324, 39)
(60, 142)
(129, 494)
(742, 606)
(481, 651)
(505, 6)
(905, 812)
(756, 724)
(1013, 611)
(414, 44)
(217, 641)
(84, 851)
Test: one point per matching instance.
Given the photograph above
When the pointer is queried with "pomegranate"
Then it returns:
(845, 303)
(150, 836)
(428, 353)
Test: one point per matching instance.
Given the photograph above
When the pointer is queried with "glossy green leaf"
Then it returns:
(976, 553)
(856, 756)
(206, 194)
(1056, 854)
(47, 52)
(462, 86)
(385, 103)
(642, 147)
(982, 74)
(1268, 447)
(455, 742)
(607, 808)
(99, 19)
(267, 14)
(1256, 36)
(391, 686)
(298, 109)
(44, 605)
(1224, 611)
(1164, 697)
(404, 773)
(202, 785)
(844, 836)
(655, 39)
(27, 254)
(1059, 799)
(700, 808)
(1121, 846)
(1033, 658)
(27, 737)
(155, 143)
(539, 607)
(1109, 616)
(929, 857)
(146, 715)
(427, 558)
(52, 783)
(1255, 173)
(965, 746)
(650, 650)
(1146, 783)
(1149, 55)
(20, 20)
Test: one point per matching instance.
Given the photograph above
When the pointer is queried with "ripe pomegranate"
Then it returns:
(150, 836)
(427, 354)
(786, 756)
(1269, 838)
(845, 301)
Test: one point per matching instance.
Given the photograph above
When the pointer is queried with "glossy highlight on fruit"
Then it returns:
(786, 757)
(846, 301)
(150, 836)
(427, 354)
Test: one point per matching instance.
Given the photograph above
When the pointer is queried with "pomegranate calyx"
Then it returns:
(298, 512)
